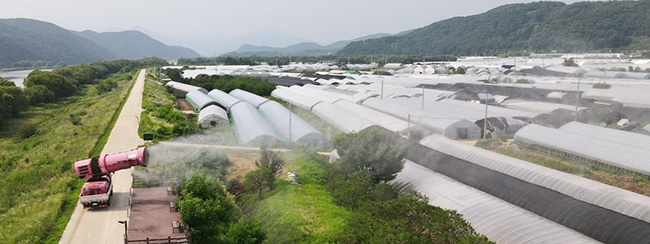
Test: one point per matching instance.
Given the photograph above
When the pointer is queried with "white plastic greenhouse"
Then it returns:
(454, 128)
(294, 128)
(225, 100)
(499, 220)
(620, 137)
(605, 213)
(212, 115)
(182, 88)
(586, 148)
(199, 100)
(251, 128)
(593, 192)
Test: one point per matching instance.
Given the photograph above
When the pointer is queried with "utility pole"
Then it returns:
(486, 117)
(577, 99)
(382, 89)
(290, 123)
(408, 126)
(422, 96)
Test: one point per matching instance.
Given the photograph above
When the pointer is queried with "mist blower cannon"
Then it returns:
(97, 171)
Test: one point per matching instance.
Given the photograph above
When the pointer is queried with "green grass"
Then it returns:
(38, 186)
(303, 213)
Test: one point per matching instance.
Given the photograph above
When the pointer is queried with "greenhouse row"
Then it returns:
(256, 119)
(614, 152)
(497, 219)
(605, 213)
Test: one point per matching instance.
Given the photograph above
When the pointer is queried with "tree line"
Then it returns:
(43, 87)
(341, 60)
(225, 83)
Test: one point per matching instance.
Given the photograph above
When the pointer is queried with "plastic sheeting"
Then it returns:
(294, 97)
(596, 193)
(342, 119)
(600, 223)
(212, 115)
(251, 98)
(587, 147)
(294, 128)
(620, 137)
(225, 100)
(454, 128)
(284, 121)
(199, 100)
(384, 120)
(250, 126)
(499, 220)
(184, 88)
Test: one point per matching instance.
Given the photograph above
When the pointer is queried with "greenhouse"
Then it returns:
(251, 98)
(182, 88)
(199, 100)
(499, 220)
(212, 115)
(293, 127)
(565, 199)
(342, 119)
(452, 127)
(384, 120)
(225, 100)
(289, 125)
(596, 193)
(294, 98)
(250, 126)
(586, 148)
(621, 137)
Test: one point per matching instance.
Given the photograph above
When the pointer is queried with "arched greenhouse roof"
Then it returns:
(184, 88)
(497, 219)
(225, 100)
(596, 214)
(587, 147)
(199, 100)
(250, 126)
(212, 115)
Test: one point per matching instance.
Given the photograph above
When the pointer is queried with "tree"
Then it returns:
(409, 219)
(15, 100)
(349, 191)
(257, 179)
(273, 161)
(244, 231)
(376, 150)
(570, 62)
(59, 85)
(38, 94)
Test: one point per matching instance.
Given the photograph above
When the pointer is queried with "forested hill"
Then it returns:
(536, 27)
(27, 41)
(135, 44)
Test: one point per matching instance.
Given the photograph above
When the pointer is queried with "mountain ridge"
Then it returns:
(29, 40)
(527, 27)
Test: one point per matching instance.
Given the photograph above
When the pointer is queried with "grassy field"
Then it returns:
(300, 213)
(631, 182)
(38, 186)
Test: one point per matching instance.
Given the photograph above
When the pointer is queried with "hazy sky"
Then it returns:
(322, 22)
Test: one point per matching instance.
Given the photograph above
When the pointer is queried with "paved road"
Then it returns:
(101, 226)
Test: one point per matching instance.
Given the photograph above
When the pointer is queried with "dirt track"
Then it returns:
(101, 226)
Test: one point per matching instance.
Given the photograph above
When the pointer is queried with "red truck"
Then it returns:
(97, 171)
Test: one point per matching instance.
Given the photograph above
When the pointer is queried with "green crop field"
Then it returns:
(38, 185)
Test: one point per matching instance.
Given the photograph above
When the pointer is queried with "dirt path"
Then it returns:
(101, 226)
